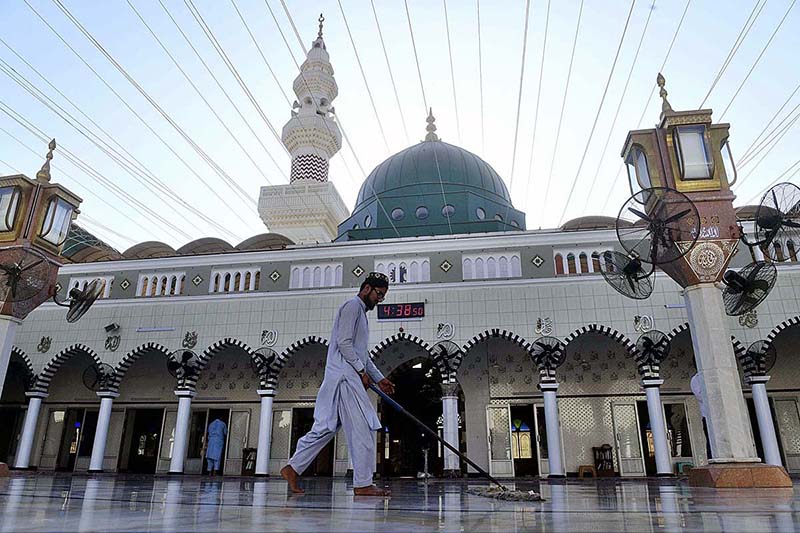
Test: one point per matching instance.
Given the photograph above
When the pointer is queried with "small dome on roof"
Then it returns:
(206, 245)
(591, 222)
(82, 246)
(265, 241)
(746, 212)
(149, 249)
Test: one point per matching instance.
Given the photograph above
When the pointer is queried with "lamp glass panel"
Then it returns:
(727, 161)
(641, 169)
(693, 155)
(9, 201)
(56, 221)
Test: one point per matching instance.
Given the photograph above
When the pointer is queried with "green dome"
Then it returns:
(431, 188)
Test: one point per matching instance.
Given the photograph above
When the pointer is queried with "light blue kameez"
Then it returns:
(342, 400)
(217, 431)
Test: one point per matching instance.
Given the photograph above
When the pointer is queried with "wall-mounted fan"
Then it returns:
(182, 364)
(653, 220)
(24, 273)
(548, 352)
(81, 300)
(763, 355)
(444, 355)
(748, 287)
(263, 361)
(652, 347)
(626, 274)
(98, 377)
(778, 220)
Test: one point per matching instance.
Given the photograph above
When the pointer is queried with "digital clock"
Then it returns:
(401, 311)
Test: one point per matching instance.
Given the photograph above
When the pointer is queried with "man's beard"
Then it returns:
(369, 305)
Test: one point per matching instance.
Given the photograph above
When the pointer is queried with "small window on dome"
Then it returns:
(498, 217)
(481, 214)
(355, 226)
(448, 210)
(515, 224)
(398, 214)
(422, 212)
(367, 221)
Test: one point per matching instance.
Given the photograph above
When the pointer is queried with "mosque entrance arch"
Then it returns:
(12, 405)
(401, 444)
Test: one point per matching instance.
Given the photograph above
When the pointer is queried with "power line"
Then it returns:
(775, 143)
(649, 97)
(283, 36)
(597, 115)
(769, 139)
(363, 77)
(776, 180)
(760, 55)
(296, 33)
(748, 25)
(747, 151)
(619, 106)
(563, 105)
(480, 77)
(519, 94)
(391, 75)
(452, 71)
(416, 57)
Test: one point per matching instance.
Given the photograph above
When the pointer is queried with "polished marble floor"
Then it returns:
(46, 502)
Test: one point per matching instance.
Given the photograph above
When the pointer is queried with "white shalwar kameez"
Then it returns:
(342, 400)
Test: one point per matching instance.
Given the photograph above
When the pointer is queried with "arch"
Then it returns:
(738, 348)
(583, 263)
(385, 343)
(44, 378)
(793, 321)
(206, 355)
(30, 375)
(559, 261)
(497, 333)
(605, 331)
(131, 357)
(288, 353)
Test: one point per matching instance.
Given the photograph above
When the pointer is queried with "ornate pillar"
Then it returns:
(181, 430)
(450, 426)
(23, 460)
(766, 427)
(553, 424)
(658, 426)
(264, 431)
(101, 433)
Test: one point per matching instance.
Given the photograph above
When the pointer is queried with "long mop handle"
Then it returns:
(433, 434)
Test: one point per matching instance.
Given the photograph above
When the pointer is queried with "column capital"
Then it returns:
(550, 386)
(752, 380)
(185, 393)
(266, 392)
(647, 383)
(449, 390)
(107, 394)
(10, 318)
(37, 394)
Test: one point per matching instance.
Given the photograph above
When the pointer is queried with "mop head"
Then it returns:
(501, 494)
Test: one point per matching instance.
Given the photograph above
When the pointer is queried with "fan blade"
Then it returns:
(640, 214)
(186, 356)
(676, 216)
(791, 223)
(631, 283)
(759, 285)
(32, 265)
(173, 365)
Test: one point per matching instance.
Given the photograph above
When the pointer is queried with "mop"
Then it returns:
(501, 492)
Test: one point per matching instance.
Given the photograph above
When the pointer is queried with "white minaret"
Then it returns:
(309, 209)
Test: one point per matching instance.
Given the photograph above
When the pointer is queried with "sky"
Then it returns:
(211, 149)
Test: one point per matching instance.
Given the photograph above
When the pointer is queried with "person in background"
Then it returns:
(217, 431)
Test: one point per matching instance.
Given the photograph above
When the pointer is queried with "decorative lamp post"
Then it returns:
(35, 217)
(688, 153)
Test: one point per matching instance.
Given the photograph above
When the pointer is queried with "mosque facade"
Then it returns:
(466, 275)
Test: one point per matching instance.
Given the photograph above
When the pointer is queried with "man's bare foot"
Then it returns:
(288, 473)
(372, 490)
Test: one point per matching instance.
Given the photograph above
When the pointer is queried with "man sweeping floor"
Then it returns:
(342, 400)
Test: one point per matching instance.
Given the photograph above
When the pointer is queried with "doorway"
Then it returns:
(198, 439)
(76, 440)
(628, 437)
(523, 439)
(402, 445)
(11, 420)
(302, 420)
(140, 441)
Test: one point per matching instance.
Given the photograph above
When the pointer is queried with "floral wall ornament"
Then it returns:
(749, 319)
(445, 330)
(643, 323)
(189, 340)
(544, 326)
(44, 344)
(112, 343)
(269, 337)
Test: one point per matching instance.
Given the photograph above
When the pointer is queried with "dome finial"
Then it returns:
(663, 93)
(431, 127)
(44, 172)
(321, 20)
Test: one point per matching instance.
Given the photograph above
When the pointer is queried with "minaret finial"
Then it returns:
(321, 20)
(431, 127)
(44, 172)
(663, 93)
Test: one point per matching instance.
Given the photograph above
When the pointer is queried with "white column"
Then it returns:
(658, 426)
(772, 454)
(728, 421)
(553, 424)
(450, 426)
(264, 431)
(23, 460)
(252, 285)
(101, 433)
(181, 430)
(8, 330)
